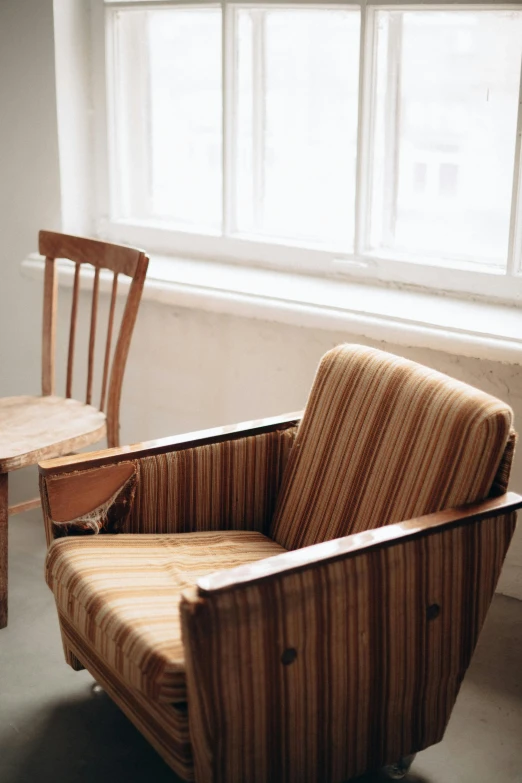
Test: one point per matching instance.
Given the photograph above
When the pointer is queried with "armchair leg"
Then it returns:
(72, 660)
(4, 513)
(70, 657)
(400, 769)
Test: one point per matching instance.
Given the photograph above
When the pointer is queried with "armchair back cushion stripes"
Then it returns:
(383, 440)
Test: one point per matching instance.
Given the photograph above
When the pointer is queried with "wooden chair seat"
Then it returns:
(35, 428)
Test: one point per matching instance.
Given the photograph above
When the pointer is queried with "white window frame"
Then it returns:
(474, 280)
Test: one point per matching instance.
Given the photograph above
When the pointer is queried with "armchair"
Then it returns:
(290, 600)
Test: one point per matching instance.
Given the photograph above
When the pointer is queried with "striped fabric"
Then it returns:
(343, 667)
(501, 480)
(222, 486)
(121, 593)
(384, 439)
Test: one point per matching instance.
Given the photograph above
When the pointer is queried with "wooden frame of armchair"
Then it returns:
(316, 664)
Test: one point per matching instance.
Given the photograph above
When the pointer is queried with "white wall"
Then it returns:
(187, 369)
(29, 187)
(29, 178)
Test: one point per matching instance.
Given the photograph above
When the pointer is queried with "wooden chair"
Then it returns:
(294, 600)
(35, 428)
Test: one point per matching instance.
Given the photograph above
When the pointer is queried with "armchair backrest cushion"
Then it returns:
(382, 440)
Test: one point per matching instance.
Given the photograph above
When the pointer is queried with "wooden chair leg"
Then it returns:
(4, 514)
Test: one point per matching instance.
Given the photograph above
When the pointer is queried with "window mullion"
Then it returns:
(134, 196)
(364, 130)
(229, 98)
(514, 260)
(258, 115)
(392, 124)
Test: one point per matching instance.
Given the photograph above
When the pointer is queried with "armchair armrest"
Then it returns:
(339, 548)
(342, 655)
(223, 478)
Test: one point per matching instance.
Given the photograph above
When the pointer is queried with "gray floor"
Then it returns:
(53, 728)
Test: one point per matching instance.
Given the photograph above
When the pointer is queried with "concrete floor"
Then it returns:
(53, 728)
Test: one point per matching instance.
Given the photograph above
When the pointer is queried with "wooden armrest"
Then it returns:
(225, 478)
(96, 459)
(340, 548)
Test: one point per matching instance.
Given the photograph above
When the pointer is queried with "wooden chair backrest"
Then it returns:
(101, 255)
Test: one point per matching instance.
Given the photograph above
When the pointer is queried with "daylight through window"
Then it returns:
(370, 134)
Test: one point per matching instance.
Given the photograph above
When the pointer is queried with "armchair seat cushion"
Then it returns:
(121, 593)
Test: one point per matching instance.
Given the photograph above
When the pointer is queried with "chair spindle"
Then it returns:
(72, 331)
(49, 326)
(109, 340)
(92, 335)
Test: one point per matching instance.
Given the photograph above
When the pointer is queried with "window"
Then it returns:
(447, 95)
(296, 125)
(343, 138)
(166, 109)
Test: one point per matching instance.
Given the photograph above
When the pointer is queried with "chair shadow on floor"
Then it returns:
(84, 740)
(500, 641)
(378, 777)
(89, 740)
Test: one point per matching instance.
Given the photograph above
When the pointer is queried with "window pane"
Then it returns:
(296, 124)
(446, 111)
(168, 116)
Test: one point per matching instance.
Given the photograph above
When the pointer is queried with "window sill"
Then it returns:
(409, 318)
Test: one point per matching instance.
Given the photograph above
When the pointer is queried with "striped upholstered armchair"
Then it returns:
(285, 601)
